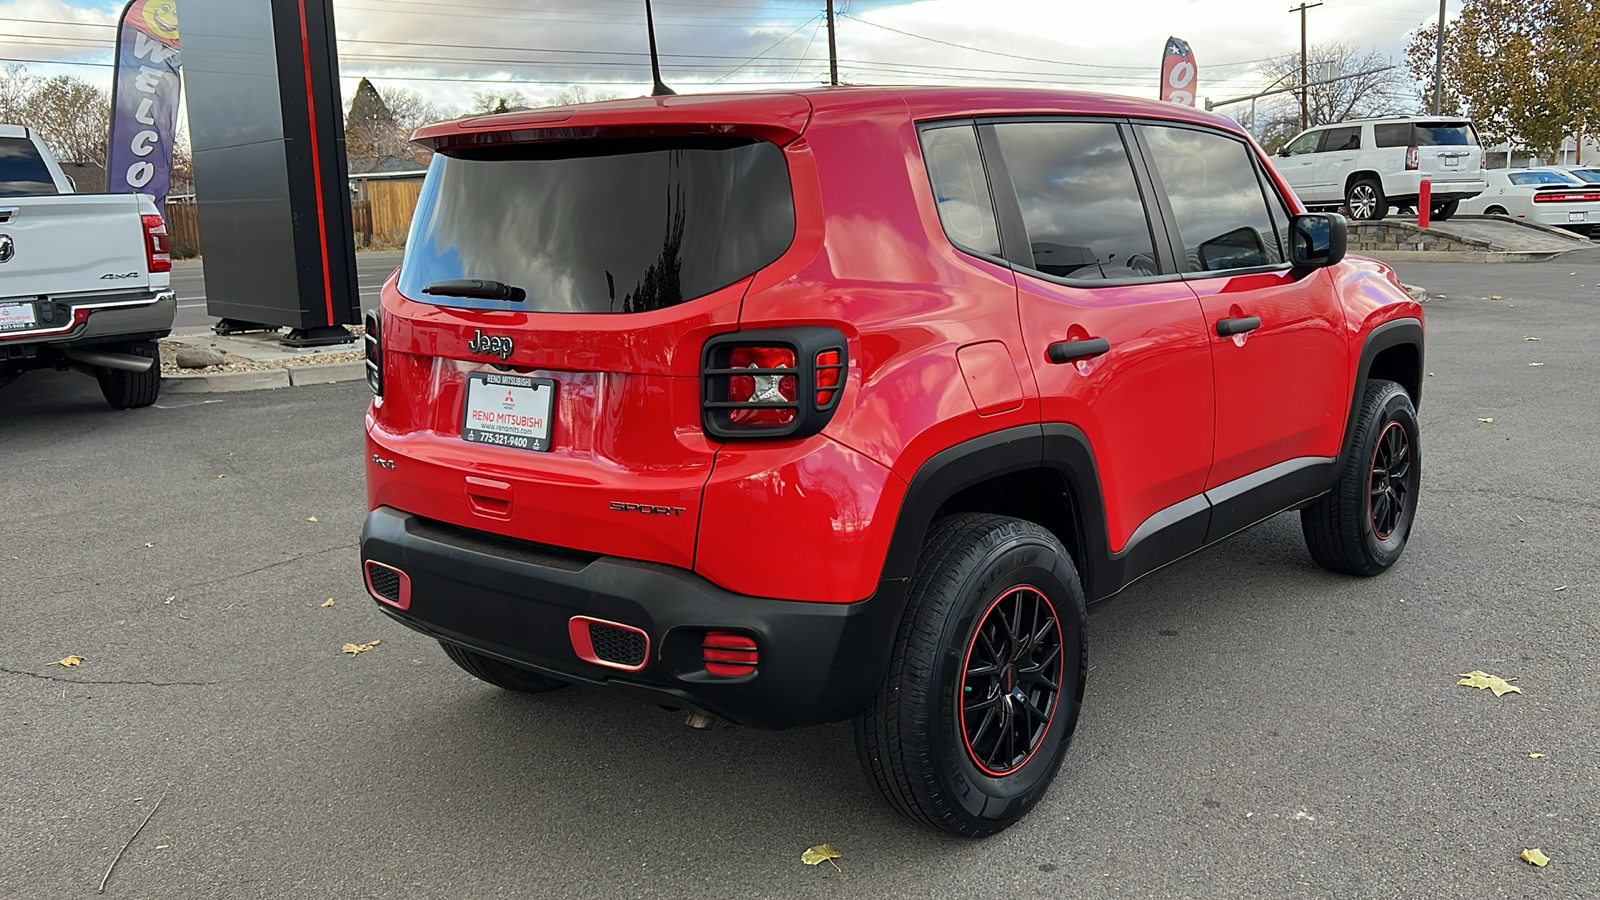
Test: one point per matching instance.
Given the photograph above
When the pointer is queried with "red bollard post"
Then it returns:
(1424, 203)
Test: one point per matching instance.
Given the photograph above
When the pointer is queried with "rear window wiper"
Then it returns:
(477, 288)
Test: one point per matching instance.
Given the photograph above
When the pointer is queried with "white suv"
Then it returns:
(1368, 165)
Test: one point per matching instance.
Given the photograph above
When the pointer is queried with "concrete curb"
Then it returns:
(1467, 256)
(263, 379)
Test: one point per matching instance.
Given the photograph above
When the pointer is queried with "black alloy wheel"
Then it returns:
(1387, 499)
(1012, 680)
(1442, 211)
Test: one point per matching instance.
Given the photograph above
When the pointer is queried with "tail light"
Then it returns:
(772, 383)
(729, 653)
(1411, 159)
(157, 248)
(373, 345)
(1564, 197)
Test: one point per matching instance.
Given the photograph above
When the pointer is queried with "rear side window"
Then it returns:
(1080, 201)
(955, 169)
(1393, 135)
(600, 226)
(1335, 139)
(1217, 199)
(22, 171)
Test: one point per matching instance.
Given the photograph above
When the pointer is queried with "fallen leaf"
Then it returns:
(1535, 856)
(353, 649)
(1494, 296)
(1535, 364)
(327, 603)
(312, 519)
(1430, 374)
(815, 855)
(149, 544)
(70, 661)
(1562, 588)
(222, 476)
(1530, 339)
(1487, 421)
(1481, 680)
(1536, 756)
(163, 846)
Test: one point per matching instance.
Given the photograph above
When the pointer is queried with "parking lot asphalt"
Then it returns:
(1253, 726)
(188, 279)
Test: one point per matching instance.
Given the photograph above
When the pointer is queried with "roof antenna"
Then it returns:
(655, 60)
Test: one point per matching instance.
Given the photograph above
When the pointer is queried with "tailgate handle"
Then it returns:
(6, 212)
(489, 497)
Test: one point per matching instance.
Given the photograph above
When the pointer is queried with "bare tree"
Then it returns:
(493, 100)
(580, 94)
(15, 87)
(1372, 94)
(71, 115)
(412, 111)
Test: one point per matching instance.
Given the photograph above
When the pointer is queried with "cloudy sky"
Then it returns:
(447, 51)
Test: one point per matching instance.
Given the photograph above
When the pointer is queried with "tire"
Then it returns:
(939, 760)
(501, 674)
(1365, 200)
(1352, 530)
(1445, 210)
(131, 390)
(1496, 211)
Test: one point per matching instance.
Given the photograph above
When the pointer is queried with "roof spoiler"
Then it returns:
(777, 118)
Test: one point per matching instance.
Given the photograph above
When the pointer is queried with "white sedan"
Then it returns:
(1541, 196)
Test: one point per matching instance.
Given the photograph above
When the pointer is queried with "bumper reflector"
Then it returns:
(729, 653)
(609, 644)
(388, 585)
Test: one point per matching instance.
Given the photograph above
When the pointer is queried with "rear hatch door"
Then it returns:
(557, 399)
(1448, 150)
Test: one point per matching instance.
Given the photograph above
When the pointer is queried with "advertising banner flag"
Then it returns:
(1179, 77)
(144, 100)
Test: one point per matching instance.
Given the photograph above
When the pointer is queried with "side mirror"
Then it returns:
(1317, 239)
(1284, 151)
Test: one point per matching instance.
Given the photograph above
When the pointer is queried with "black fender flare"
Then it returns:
(1390, 334)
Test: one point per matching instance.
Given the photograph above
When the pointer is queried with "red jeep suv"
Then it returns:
(791, 408)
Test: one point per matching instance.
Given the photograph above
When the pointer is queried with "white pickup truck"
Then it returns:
(84, 278)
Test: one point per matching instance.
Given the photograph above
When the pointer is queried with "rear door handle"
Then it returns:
(1231, 327)
(1071, 351)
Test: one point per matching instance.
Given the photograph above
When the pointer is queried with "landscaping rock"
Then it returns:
(200, 358)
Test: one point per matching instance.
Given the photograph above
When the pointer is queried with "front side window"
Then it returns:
(1080, 200)
(599, 226)
(1336, 139)
(1305, 143)
(955, 169)
(1217, 198)
(22, 170)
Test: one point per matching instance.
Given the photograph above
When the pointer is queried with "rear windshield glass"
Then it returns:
(600, 226)
(22, 172)
(1590, 175)
(1446, 135)
(1540, 178)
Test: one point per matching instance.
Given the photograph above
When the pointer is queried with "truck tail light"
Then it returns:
(157, 248)
(729, 653)
(1411, 159)
(772, 383)
(372, 343)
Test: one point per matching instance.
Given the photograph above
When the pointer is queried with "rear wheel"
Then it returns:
(131, 390)
(1365, 200)
(986, 678)
(501, 674)
(1361, 527)
(1496, 211)
(1442, 211)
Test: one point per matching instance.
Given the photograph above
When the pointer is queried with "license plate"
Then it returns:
(1450, 162)
(14, 316)
(1577, 217)
(508, 410)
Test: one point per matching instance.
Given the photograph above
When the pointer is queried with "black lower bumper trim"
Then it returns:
(818, 662)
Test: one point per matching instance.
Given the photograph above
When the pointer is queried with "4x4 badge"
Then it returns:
(490, 345)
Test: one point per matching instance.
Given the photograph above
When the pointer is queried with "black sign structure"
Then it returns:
(270, 173)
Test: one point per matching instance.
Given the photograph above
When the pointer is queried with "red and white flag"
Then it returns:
(1179, 77)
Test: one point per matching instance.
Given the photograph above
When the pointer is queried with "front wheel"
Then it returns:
(1496, 211)
(1365, 200)
(986, 679)
(1361, 527)
(1441, 211)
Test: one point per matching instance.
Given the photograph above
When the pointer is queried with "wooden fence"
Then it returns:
(380, 222)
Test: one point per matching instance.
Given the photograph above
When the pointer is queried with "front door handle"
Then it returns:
(1071, 351)
(1231, 327)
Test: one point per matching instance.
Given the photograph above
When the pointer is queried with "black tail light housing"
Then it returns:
(373, 345)
(772, 382)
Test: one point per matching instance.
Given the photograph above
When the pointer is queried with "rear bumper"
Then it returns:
(105, 318)
(818, 662)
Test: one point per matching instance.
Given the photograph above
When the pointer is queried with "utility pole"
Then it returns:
(1438, 65)
(1301, 9)
(833, 49)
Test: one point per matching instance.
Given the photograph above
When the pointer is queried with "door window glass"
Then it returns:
(1305, 143)
(1392, 135)
(1335, 139)
(960, 188)
(1080, 201)
(1221, 214)
(22, 171)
